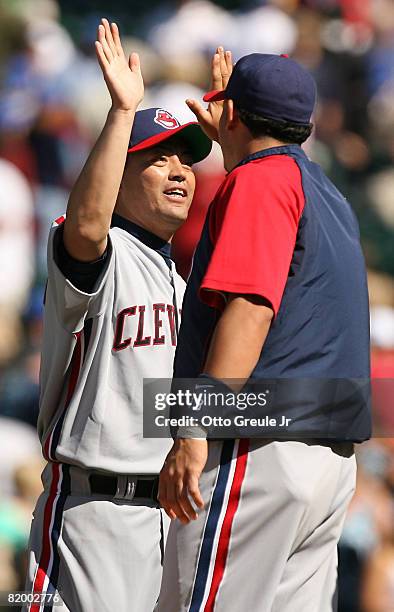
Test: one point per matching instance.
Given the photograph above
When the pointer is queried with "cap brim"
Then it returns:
(213, 96)
(199, 144)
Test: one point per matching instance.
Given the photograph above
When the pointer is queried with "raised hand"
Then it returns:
(123, 77)
(222, 67)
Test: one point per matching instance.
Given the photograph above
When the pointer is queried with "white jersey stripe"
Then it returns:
(220, 523)
(54, 507)
(40, 583)
(199, 597)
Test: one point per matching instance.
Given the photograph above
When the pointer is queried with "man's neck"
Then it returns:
(164, 234)
(253, 146)
(260, 144)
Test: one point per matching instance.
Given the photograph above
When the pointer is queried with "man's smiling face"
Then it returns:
(158, 187)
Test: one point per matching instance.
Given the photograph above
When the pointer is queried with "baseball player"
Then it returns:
(277, 292)
(112, 309)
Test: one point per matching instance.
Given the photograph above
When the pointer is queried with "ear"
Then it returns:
(232, 117)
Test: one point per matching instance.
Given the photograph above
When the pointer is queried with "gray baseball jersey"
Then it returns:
(97, 350)
(102, 551)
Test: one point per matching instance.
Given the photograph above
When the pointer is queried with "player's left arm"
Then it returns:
(233, 354)
(238, 338)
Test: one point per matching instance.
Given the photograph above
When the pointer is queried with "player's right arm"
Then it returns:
(94, 195)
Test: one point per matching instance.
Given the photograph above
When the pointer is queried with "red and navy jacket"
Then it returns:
(278, 228)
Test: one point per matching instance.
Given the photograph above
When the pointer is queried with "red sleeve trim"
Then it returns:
(210, 293)
(213, 297)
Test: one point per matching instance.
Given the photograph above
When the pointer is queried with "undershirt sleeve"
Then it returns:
(253, 228)
(85, 276)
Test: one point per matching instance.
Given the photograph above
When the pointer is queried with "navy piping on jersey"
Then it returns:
(280, 150)
(154, 242)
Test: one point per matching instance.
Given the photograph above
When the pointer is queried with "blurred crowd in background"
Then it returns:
(53, 102)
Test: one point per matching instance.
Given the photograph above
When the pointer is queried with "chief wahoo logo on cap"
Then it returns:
(165, 119)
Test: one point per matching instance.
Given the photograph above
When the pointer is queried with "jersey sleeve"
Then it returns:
(71, 304)
(253, 227)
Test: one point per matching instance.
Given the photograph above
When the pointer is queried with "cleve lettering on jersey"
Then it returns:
(140, 340)
(146, 326)
(171, 322)
(157, 309)
(120, 344)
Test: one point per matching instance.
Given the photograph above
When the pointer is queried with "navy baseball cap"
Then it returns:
(153, 125)
(271, 86)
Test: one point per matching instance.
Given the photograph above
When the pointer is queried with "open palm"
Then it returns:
(222, 67)
(123, 77)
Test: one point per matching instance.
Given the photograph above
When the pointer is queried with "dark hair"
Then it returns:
(284, 131)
